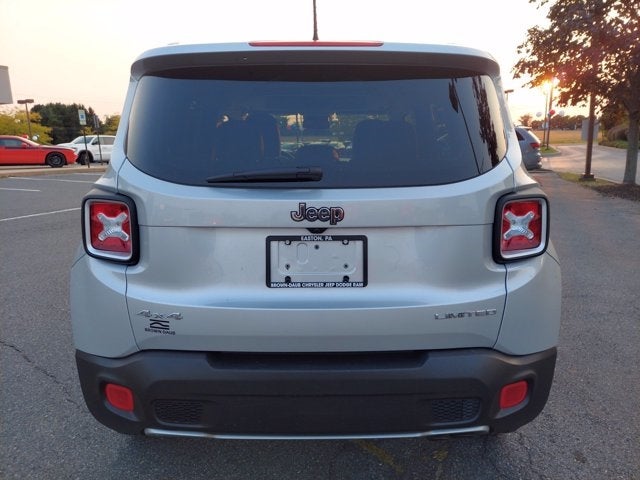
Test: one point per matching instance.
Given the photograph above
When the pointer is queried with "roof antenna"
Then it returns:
(315, 22)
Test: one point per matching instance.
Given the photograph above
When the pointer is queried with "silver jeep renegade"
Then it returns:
(315, 240)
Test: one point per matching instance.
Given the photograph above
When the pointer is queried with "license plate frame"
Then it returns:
(316, 261)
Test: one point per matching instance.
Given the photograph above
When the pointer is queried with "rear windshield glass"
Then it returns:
(199, 127)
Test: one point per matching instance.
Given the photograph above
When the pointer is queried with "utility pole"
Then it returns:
(26, 103)
(587, 175)
(315, 22)
(550, 112)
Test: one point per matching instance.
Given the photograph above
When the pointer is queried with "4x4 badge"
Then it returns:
(160, 316)
(333, 215)
(475, 313)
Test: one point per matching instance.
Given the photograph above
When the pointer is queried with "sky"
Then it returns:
(74, 51)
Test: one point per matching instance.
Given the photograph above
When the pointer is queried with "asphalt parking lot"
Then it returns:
(590, 428)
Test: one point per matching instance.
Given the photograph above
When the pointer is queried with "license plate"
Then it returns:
(317, 261)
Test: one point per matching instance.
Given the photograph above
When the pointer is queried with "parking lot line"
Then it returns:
(20, 189)
(39, 214)
(40, 179)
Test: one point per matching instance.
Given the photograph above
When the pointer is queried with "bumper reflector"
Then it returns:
(513, 394)
(119, 397)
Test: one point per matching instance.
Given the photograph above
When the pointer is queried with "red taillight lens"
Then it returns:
(513, 394)
(521, 228)
(109, 229)
(119, 397)
(535, 145)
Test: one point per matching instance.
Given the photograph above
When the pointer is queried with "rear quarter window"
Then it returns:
(363, 127)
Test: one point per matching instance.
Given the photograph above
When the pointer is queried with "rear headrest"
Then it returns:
(267, 125)
(382, 143)
(238, 143)
(248, 142)
(317, 154)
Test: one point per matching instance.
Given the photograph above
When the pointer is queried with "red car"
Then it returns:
(21, 151)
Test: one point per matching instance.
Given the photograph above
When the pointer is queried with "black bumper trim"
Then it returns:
(226, 395)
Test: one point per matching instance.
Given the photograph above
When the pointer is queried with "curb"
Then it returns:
(28, 171)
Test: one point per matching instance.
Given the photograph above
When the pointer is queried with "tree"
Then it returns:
(15, 123)
(567, 122)
(63, 120)
(593, 47)
(613, 115)
(110, 125)
(562, 122)
(526, 120)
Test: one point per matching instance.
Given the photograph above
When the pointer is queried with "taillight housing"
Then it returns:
(110, 228)
(521, 227)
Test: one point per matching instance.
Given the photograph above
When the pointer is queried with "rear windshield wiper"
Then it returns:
(284, 174)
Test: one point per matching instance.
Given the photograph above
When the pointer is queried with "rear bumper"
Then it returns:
(316, 396)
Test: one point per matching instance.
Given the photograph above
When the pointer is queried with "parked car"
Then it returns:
(249, 278)
(77, 141)
(530, 148)
(97, 149)
(15, 150)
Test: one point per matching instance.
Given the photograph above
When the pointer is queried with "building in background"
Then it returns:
(5, 86)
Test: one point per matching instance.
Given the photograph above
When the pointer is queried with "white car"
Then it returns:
(95, 148)
(315, 240)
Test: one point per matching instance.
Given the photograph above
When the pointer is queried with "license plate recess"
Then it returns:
(317, 261)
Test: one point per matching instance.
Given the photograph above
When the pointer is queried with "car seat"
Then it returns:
(384, 144)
